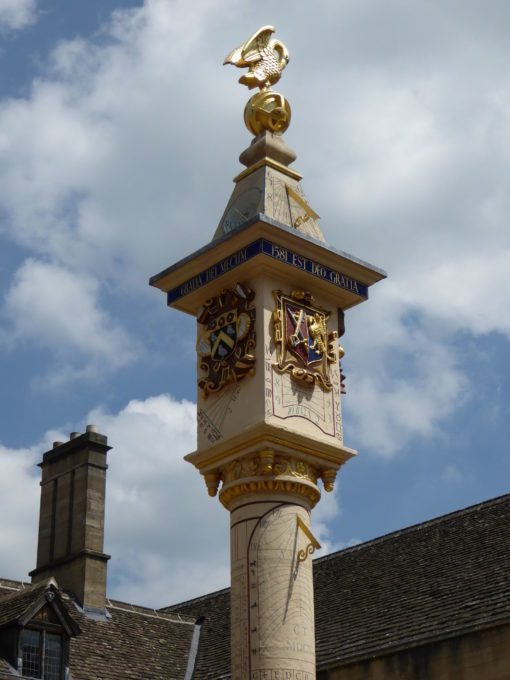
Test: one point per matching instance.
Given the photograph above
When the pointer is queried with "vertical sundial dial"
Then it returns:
(269, 297)
(212, 415)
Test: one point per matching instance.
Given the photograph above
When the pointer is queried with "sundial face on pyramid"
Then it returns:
(244, 206)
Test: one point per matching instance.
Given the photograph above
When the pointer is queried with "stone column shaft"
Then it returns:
(272, 615)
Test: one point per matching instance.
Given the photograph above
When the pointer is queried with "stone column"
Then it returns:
(272, 611)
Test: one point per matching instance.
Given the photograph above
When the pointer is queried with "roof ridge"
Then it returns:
(195, 599)
(6, 583)
(150, 612)
(32, 587)
(413, 527)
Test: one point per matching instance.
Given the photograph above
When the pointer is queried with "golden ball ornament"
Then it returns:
(267, 110)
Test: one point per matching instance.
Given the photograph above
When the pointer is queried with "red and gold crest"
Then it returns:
(228, 339)
(305, 348)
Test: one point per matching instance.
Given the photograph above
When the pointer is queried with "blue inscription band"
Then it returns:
(263, 247)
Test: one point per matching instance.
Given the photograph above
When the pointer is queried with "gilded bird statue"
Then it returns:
(265, 57)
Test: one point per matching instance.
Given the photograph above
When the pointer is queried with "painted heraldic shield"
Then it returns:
(223, 337)
(305, 348)
(224, 346)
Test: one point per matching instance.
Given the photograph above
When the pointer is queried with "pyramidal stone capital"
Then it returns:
(269, 187)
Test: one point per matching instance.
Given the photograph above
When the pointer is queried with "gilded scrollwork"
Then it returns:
(312, 545)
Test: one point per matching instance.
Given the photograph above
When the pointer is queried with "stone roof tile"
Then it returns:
(132, 643)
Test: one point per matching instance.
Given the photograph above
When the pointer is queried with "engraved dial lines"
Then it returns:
(280, 592)
(287, 399)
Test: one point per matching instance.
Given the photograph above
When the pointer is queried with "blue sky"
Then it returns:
(119, 137)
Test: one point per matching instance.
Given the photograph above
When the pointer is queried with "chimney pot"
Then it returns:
(73, 435)
(55, 444)
(91, 428)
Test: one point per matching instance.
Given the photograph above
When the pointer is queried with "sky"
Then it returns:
(120, 132)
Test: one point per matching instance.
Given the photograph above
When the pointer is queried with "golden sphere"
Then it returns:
(267, 110)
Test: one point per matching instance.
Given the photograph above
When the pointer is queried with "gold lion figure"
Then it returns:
(318, 331)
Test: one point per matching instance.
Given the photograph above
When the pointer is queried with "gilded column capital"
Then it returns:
(268, 472)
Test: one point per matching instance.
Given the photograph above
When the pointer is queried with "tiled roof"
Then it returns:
(430, 581)
(14, 603)
(134, 643)
(213, 659)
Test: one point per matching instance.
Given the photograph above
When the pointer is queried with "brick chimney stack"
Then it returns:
(71, 520)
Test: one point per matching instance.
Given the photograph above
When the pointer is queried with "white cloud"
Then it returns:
(59, 309)
(466, 292)
(95, 165)
(323, 518)
(16, 14)
(96, 172)
(19, 490)
(404, 378)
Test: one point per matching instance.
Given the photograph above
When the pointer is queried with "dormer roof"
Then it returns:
(22, 606)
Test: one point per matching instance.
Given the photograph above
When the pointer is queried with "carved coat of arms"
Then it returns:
(304, 347)
(228, 338)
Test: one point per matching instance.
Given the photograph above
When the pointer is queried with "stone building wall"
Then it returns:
(484, 655)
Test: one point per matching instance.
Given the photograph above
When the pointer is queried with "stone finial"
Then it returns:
(267, 145)
(265, 59)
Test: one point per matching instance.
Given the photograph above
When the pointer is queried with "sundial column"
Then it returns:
(269, 296)
(272, 610)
